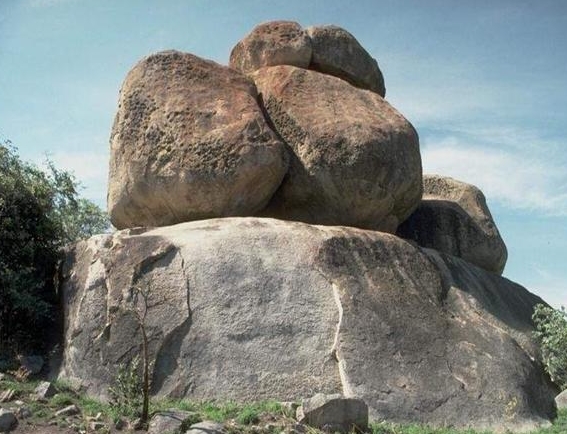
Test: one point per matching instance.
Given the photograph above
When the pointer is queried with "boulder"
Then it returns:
(189, 141)
(31, 364)
(270, 44)
(355, 160)
(334, 413)
(453, 218)
(337, 52)
(7, 420)
(250, 309)
(169, 421)
(561, 400)
(44, 390)
(206, 427)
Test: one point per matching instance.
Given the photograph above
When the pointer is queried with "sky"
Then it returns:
(483, 82)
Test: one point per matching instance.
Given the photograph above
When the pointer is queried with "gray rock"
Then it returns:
(272, 43)
(168, 421)
(32, 364)
(251, 309)
(355, 160)
(206, 427)
(189, 141)
(70, 410)
(45, 390)
(7, 420)
(453, 218)
(334, 413)
(24, 412)
(337, 52)
(561, 400)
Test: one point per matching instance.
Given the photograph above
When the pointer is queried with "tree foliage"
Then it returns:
(39, 213)
(551, 332)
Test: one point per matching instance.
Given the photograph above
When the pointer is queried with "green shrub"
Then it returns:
(39, 213)
(248, 415)
(126, 394)
(551, 333)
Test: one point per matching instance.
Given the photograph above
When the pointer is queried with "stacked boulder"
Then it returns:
(353, 286)
(305, 136)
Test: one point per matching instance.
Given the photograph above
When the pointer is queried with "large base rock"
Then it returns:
(250, 309)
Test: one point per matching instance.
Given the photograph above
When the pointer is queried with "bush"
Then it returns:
(551, 332)
(126, 394)
(39, 213)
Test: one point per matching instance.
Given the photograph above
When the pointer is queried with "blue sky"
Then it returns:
(483, 82)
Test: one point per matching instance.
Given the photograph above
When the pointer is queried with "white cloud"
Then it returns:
(512, 167)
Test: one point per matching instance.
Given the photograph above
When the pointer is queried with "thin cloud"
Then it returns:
(521, 177)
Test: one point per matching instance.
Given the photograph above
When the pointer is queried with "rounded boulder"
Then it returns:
(272, 43)
(337, 52)
(354, 161)
(189, 142)
(454, 218)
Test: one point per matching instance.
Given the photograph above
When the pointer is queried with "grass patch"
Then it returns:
(62, 399)
(248, 416)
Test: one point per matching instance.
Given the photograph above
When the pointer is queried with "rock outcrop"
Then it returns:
(270, 44)
(355, 160)
(189, 142)
(453, 218)
(251, 309)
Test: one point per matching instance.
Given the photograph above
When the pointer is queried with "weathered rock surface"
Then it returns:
(45, 390)
(337, 52)
(272, 43)
(189, 142)
(168, 421)
(453, 218)
(561, 400)
(206, 427)
(355, 160)
(334, 413)
(251, 309)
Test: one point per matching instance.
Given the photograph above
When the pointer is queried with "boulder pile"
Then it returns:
(272, 217)
(306, 135)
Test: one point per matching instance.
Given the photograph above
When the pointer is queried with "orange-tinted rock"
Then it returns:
(272, 43)
(189, 142)
(355, 159)
(337, 52)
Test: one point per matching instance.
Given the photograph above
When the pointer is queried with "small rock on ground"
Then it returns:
(206, 427)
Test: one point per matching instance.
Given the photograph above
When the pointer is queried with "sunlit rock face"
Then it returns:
(251, 309)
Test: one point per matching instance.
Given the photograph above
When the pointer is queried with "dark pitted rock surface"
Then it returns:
(272, 43)
(251, 309)
(355, 160)
(453, 218)
(189, 142)
(337, 52)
